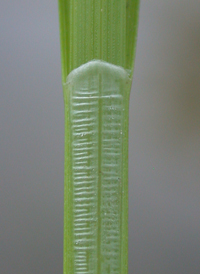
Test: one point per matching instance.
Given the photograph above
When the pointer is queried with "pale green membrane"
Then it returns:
(97, 100)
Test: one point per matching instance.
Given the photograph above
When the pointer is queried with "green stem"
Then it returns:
(97, 48)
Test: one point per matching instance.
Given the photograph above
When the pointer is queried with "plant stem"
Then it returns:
(97, 52)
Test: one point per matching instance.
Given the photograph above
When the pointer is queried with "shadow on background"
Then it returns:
(178, 120)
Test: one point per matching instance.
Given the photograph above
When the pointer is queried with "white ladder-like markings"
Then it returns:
(96, 92)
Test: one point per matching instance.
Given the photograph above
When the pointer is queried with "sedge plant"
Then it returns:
(98, 40)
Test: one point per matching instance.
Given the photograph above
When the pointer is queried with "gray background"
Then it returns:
(164, 140)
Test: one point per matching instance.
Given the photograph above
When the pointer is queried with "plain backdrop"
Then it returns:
(164, 139)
